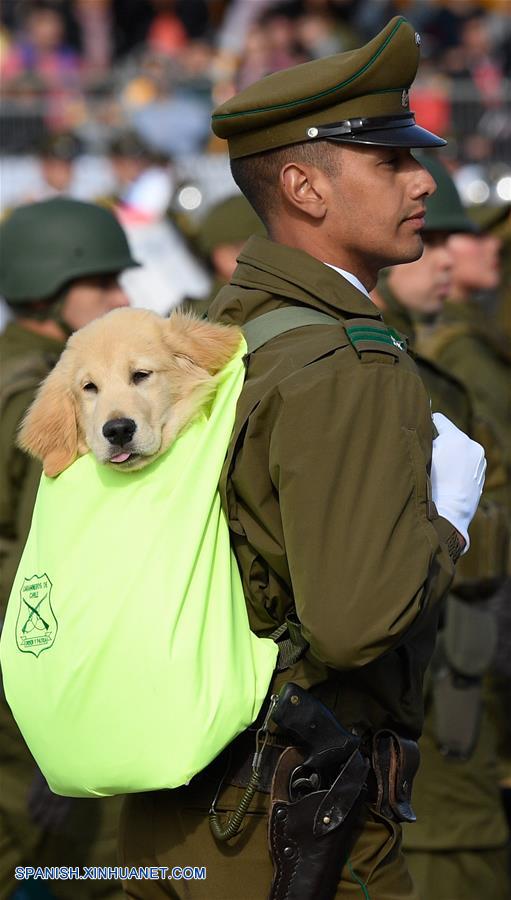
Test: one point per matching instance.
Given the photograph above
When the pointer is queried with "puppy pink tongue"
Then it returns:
(121, 457)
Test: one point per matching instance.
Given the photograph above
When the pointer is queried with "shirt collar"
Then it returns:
(349, 277)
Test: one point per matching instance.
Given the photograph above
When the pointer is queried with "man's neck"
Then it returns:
(321, 250)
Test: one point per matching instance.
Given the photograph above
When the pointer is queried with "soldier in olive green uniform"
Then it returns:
(462, 341)
(221, 235)
(326, 483)
(59, 262)
(457, 847)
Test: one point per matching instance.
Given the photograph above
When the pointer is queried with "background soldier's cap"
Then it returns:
(355, 97)
(64, 146)
(444, 209)
(232, 221)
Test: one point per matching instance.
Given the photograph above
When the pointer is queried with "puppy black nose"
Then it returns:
(119, 431)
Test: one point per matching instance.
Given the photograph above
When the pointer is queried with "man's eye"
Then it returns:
(137, 377)
(90, 387)
(392, 161)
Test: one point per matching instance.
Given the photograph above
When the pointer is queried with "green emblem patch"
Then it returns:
(370, 334)
(36, 625)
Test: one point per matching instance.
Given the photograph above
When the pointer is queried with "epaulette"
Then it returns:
(372, 335)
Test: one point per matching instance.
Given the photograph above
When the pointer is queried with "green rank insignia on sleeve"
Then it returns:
(373, 335)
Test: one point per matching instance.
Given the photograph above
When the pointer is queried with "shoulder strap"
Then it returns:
(288, 636)
(261, 330)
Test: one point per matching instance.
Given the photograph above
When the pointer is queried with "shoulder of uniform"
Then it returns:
(369, 336)
(23, 374)
(433, 343)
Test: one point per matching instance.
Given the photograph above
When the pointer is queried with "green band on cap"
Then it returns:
(332, 90)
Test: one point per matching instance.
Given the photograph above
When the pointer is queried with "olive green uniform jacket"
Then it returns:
(461, 343)
(25, 358)
(88, 836)
(326, 493)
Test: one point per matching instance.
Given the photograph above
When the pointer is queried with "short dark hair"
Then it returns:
(257, 175)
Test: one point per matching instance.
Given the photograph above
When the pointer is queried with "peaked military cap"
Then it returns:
(355, 97)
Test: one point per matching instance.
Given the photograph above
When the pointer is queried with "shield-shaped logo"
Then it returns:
(36, 625)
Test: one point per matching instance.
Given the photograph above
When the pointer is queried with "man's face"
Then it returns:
(127, 169)
(424, 285)
(476, 262)
(91, 297)
(58, 173)
(377, 205)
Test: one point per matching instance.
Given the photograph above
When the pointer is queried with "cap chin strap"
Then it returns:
(359, 125)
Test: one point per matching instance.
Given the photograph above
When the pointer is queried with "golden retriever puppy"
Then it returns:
(124, 387)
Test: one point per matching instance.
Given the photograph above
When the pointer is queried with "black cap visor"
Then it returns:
(384, 131)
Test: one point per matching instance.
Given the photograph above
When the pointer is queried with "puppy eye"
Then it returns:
(90, 387)
(137, 377)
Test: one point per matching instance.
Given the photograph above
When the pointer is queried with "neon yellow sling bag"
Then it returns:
(126, 653)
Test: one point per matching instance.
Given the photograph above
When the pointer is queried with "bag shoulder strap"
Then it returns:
(259, 331)
(288, 637)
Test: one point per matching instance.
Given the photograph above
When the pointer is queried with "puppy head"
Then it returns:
(124, 388)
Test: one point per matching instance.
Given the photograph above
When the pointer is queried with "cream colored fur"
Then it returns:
(96, 377)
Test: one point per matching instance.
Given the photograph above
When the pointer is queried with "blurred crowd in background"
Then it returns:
(110, 100)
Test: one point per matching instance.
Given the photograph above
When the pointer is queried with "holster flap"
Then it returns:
(339, 800)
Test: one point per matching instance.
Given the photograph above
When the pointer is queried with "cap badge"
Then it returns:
(404, 98)
(417, 38)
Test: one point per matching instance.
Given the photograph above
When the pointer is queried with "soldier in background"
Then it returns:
(56, 155)
(457, 847)
(145, 186)
(59, 264)
(129, 158)
(496, 221)
(220, 238)
(462, 340)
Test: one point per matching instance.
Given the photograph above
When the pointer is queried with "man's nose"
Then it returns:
(119, 431)
(444, 258)
(423, 184)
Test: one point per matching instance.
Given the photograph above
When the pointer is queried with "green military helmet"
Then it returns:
(231, 221)
(444, 209)
(45, 245)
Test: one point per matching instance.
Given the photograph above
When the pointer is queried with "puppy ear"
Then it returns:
(208, 345)
(49, 430)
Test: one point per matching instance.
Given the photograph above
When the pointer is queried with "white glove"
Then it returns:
(457, 475)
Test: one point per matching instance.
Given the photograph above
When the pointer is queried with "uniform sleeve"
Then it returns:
(349, 454)
(19, 481)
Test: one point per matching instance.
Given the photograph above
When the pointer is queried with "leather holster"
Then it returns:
(310, 838)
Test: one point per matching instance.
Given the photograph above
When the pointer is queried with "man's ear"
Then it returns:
(208, 345)
(305, 188)
(49, 429)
